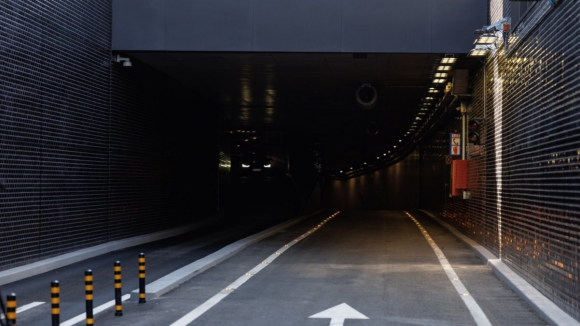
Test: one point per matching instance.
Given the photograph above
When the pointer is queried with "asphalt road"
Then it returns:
(163, 257)
(378, 263)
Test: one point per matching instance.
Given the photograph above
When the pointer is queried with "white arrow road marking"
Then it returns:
(338, 314)
(475, 310)
(200, 310)
(96, 310)
(25, 307)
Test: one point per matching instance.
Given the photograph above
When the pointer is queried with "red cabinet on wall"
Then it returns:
(458, 177)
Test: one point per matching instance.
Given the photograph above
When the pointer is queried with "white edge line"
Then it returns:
(481, 251)
(201, 309)
(539, 302)
(25, 307)
(475, 310)
(172, 280)
(28, 306)
(101, 308)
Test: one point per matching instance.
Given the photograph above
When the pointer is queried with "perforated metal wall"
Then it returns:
(478, 216)
(90, 151)
(525, 178)
(54, 118)
(541, 205)
(163, 156)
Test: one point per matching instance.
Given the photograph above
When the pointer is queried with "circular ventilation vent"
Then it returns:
(366, 96)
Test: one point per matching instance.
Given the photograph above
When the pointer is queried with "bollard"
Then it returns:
(2, 311)
(142, 278)
(55, 302)
(11, 310)
(89, 296)
(118, 285)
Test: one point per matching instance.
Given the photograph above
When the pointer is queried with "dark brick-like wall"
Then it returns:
(91, 151)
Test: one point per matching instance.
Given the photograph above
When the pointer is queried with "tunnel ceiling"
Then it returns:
(309, 92)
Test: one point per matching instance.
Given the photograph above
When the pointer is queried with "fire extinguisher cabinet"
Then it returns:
(458, 177)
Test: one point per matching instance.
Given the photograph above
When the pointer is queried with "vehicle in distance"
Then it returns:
(254, 162)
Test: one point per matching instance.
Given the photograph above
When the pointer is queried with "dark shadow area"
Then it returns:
(259, 198)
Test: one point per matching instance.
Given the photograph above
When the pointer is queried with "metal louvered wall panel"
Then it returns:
(152, 156)
(20, 132)
(91, 151)
(541, 138)
(74, 104)
(53, 126)
(477, 217)
(525, 178)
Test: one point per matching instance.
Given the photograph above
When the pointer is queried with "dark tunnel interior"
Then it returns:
(293, 129)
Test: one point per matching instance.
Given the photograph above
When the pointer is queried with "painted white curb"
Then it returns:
(42, 266)
(171, 281)
(543, 306)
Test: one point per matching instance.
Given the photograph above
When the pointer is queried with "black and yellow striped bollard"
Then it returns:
(118, 285)
(142, 294)
(11, 309)
(89, 296)
(55, 302)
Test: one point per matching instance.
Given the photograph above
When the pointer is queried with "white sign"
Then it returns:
(338, 314)
(455, 143)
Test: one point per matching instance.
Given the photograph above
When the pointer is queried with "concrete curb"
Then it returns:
(543, 306)
(39, 267)
(171, 281)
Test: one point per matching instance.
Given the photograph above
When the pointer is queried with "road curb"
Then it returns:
(45, 265)
(540, 303)
(171, 281)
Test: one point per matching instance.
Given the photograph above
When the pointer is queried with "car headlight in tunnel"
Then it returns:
(245, 165)
(267, 166)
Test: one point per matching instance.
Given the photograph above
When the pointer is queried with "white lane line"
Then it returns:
(475, 310)
(96, 310)
(25, 307)
(201, 309)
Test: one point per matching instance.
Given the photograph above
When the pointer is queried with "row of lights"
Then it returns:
(247, 135)
(241, 132)
(365, 165)
(441, 74)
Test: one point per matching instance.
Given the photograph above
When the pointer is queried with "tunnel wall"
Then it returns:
(396, 187)
(524, 178)
(90, 151)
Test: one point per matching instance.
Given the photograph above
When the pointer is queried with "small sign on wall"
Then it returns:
(448, 159)
(455, 143)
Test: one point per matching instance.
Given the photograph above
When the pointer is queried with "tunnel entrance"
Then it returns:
(288, 119)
